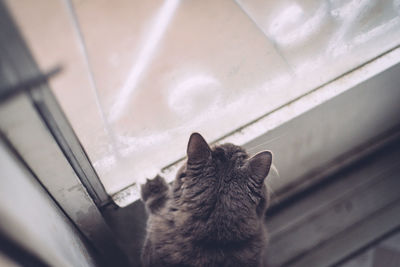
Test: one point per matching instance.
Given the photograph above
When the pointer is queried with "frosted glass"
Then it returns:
(321, 40)
(159, 70)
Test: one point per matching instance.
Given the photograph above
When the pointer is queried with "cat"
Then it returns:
(214, 213)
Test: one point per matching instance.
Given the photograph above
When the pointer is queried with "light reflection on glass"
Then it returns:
(167, 68)
(149, 47)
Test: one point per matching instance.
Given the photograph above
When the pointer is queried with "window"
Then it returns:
(140, 76)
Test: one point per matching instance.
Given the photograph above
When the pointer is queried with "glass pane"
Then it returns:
(140, 76)
(321, 40)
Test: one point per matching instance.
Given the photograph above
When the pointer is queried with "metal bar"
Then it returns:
(33, 83)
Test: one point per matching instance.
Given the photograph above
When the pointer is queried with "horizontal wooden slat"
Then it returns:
(299, 229)
(356, 237)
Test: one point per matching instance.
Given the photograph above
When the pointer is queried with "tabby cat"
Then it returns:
(213, 214)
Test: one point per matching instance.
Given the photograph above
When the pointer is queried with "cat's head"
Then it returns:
(222, 183)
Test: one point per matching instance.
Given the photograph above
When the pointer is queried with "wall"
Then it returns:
(30, 217)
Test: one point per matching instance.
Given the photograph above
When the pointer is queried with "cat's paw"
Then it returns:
(153, 187)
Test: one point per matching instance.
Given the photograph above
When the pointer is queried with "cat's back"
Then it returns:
(215, 213)
(178, 240)
(175, 253)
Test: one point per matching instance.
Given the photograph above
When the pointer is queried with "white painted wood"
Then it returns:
(318, 127)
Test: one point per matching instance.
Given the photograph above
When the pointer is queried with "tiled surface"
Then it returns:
(384, 254)
(163, 69)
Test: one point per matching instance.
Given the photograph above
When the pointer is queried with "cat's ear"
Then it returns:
(198, 149)
(260, 165)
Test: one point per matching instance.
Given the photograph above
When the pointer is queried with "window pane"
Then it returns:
(320, 40)
(159, 70)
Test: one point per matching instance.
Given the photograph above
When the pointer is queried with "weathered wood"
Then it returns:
(298, 231)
